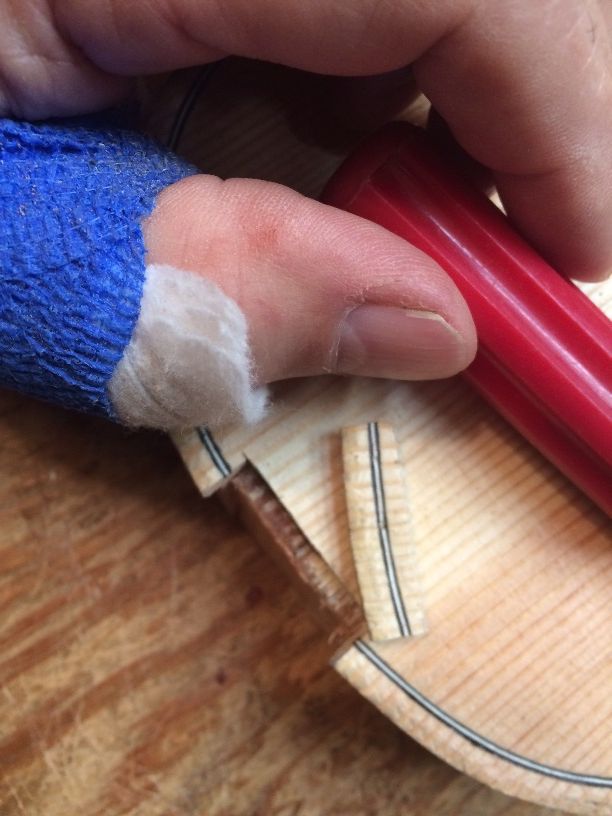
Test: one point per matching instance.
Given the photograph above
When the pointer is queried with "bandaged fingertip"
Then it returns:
(84, 323)
(188, 362)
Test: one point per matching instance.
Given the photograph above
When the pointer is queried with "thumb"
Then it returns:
(131, 288)
(321, 291)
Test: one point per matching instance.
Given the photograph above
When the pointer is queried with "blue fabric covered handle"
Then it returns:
(72, 258)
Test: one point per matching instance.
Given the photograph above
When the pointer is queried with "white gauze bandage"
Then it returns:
(188, 362)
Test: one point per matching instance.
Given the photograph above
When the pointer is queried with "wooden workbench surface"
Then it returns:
(154, 661)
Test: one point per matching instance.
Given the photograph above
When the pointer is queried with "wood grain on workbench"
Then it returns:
(154, 661)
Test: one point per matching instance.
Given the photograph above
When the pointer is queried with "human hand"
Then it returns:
(524, 87)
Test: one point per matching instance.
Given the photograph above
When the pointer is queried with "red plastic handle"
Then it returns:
(545, 350)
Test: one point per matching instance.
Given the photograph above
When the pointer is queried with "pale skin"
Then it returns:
(525, 87)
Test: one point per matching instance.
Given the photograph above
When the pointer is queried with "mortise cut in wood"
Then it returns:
(381, 537)
(326, 597)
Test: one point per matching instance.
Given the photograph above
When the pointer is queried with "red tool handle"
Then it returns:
(545, 350)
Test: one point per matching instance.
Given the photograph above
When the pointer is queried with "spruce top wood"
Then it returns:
(512, 683)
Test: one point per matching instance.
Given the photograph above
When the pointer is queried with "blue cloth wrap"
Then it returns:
(72, 258)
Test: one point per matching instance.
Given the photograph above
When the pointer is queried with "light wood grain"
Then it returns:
(517, 572)
(380, 532)
(517, 565)
(154, 661)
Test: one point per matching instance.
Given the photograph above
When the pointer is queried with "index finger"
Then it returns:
(525, 87)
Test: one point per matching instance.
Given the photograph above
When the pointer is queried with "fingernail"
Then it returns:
(401, 344)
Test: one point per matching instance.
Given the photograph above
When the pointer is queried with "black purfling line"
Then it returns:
(214, 451)
(472, 736)
(383, 528)
(187, 105)
(380, 505)
(376, 469)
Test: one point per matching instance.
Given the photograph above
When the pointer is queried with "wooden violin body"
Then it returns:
(513, 681)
